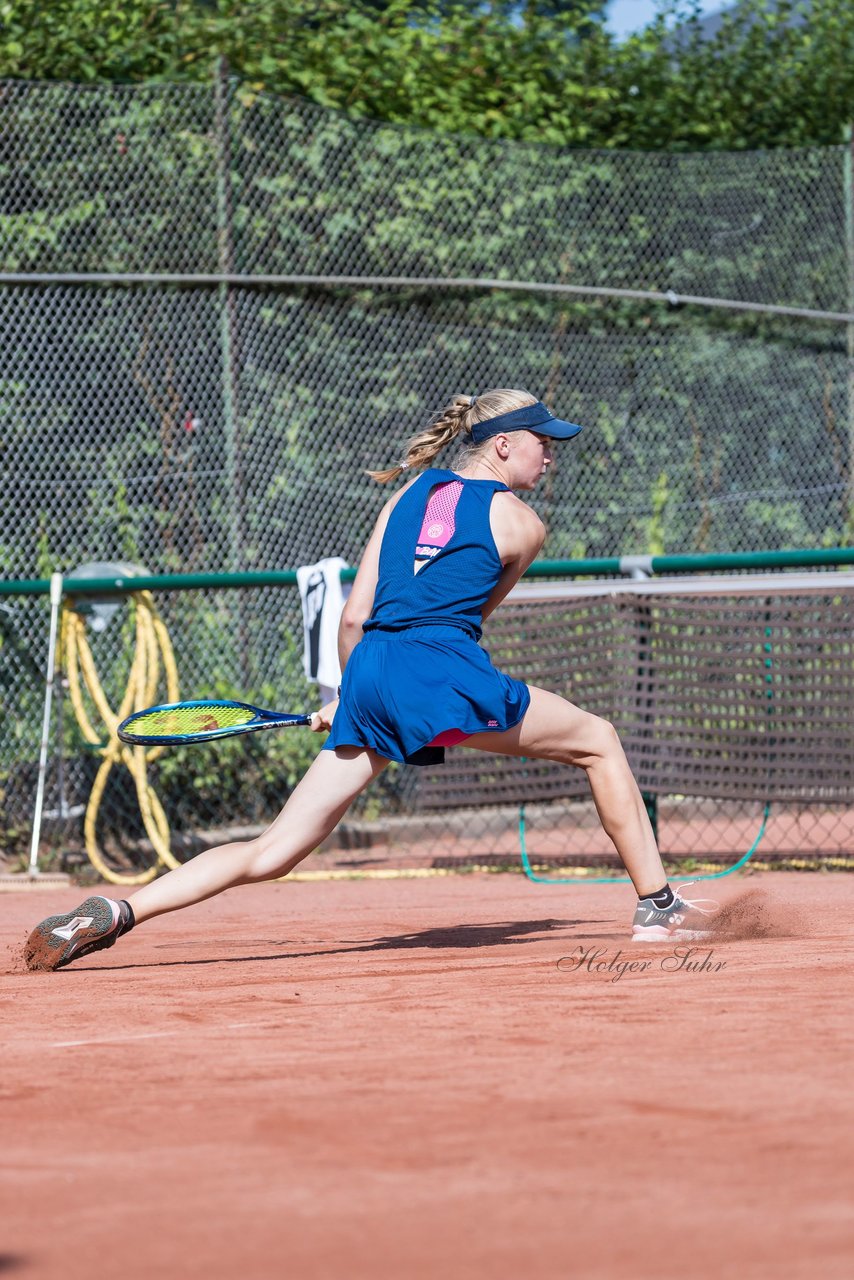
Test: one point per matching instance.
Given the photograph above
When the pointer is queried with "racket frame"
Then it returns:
(263, 720)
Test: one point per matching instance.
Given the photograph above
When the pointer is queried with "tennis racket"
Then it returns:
(177, 723)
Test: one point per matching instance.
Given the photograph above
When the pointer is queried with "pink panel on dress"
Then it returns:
(439, 520)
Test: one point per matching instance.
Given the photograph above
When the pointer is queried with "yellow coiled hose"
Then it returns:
(152, 652)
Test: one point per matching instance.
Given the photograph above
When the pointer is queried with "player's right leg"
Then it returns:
(313, 810)
(554, 729)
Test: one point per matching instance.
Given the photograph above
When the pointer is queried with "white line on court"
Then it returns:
(156, 1035)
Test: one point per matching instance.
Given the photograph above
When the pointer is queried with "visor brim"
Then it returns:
(557, 429)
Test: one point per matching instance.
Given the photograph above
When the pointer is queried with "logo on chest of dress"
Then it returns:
(439, 522)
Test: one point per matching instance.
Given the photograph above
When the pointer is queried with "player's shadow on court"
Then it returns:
(505, 933)
(454, 937)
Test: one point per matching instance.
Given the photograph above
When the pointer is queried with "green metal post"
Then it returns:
(230, 350)
(848, 184)
(646, 696)
(225, 245)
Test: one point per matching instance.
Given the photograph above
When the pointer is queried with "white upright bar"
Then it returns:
(55, 602)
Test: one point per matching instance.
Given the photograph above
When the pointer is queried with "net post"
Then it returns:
(640, 569)
(50, 675)
(651, 805)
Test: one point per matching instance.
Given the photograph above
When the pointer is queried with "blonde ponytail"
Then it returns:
(421, 449)
(456, 419)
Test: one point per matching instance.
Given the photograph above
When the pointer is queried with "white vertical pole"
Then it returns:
(55, 602)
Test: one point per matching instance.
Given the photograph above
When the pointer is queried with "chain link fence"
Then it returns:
(217, 309)
(735, 712)
(183, 179)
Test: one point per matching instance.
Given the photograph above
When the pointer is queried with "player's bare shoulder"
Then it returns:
(518, 531)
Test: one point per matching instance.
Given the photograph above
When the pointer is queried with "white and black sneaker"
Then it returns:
(58, 940)
(685, 920)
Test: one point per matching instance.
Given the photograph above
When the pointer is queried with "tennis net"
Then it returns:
(734, 699)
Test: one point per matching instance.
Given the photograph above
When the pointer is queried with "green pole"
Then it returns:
(848, 185)
(646, 696)
(835, 557)
(230, 351)
(848, 193)
(225, 246)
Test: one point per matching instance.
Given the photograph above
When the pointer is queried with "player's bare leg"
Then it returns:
(314, 808)
(554, 729)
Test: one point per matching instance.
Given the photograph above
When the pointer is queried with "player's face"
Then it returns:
(531, 457)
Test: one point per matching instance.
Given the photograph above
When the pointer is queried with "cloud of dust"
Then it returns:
(753, 915)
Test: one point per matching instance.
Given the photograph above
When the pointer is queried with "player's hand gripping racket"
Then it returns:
(177, 723)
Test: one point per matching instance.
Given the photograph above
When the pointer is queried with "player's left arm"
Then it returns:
(360, 602)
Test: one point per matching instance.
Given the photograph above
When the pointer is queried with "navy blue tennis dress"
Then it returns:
(418, 679)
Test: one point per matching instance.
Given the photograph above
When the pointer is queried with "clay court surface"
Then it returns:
(414, 1078)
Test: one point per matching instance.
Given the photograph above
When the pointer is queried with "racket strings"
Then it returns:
(174, 721)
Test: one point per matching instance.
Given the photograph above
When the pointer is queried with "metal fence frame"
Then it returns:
(781, 300)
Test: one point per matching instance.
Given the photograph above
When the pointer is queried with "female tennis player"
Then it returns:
(445, 551)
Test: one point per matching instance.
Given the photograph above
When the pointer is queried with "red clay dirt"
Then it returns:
(435, 1079)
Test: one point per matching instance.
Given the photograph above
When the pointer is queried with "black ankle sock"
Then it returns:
(663, 899)
(128, 920)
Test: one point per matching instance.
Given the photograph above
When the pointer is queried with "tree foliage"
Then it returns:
(544, 72)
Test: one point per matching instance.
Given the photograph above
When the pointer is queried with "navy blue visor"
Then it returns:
(531, 417)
